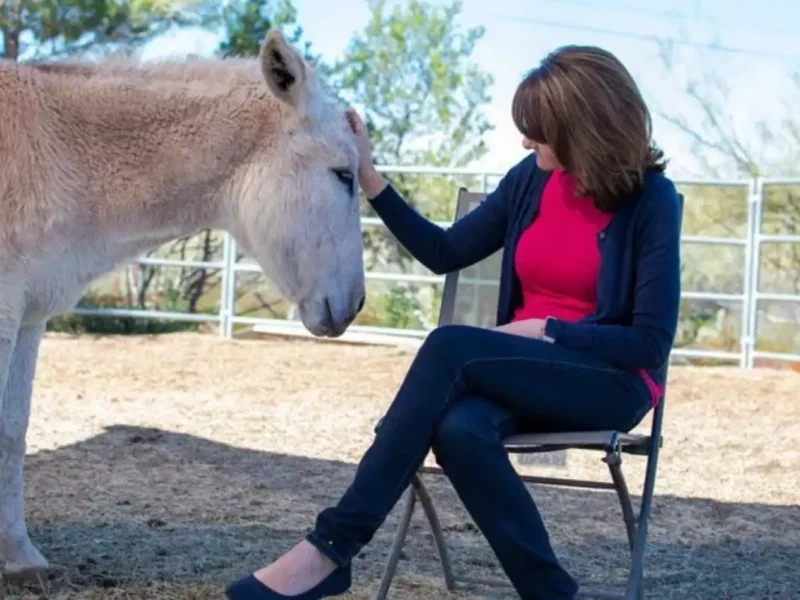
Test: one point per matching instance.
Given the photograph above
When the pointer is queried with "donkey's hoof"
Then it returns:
(37, 577)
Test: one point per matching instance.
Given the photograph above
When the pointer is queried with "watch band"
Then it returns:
(546, 337)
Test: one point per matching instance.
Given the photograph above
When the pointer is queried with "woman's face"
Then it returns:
(545, 158)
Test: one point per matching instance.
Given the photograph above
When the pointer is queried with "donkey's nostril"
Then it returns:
(329, 318)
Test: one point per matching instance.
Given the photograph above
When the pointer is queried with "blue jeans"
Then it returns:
(466, 390)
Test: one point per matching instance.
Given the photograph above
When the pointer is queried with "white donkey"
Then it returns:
(100, 163)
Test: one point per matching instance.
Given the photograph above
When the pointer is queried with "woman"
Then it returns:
(587, 314)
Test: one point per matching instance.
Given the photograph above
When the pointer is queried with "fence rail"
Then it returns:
(752, 242)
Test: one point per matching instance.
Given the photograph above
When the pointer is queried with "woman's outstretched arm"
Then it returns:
(472, 238)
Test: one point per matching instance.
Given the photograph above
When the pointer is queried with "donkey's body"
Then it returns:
(102, 162)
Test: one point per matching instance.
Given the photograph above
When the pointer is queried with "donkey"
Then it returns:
(101, 163)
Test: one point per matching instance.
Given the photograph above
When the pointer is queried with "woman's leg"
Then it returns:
(468, 445)
(572, 390)
(545, 382)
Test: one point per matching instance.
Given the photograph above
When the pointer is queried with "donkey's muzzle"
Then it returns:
(335, 324)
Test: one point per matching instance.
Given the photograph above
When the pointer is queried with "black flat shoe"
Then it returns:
(250, 588)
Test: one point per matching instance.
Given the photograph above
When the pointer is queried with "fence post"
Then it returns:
(233, 259)
(227, 286)
(744, 340)
(753, 269)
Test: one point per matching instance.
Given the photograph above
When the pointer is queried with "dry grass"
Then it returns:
(161, 468)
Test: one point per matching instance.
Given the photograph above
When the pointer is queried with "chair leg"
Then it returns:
(397, 545)
(635, 589)
(438, 534)
(614, 462)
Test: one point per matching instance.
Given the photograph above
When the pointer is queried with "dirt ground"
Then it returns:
(163, 467)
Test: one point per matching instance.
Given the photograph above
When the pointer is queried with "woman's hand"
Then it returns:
(368, 177)
(530, 328)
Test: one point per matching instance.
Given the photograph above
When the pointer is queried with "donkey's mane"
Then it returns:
(199, 76)
(218, 73)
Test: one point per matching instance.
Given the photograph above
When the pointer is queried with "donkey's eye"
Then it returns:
(346, 177)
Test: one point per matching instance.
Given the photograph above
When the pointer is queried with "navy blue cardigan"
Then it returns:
(638, 289)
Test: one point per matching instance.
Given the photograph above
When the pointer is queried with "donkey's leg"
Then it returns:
(11, 309)
(19, 556)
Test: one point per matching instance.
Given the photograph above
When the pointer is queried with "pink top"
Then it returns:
(557, 259)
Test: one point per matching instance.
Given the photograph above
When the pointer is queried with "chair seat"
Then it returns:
(592, 440)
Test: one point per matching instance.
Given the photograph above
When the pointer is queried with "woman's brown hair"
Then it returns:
(583, 103)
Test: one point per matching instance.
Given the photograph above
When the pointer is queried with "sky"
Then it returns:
(761, 41)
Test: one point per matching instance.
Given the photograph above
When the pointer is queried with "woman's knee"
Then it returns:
(442, 341)
(468, 427)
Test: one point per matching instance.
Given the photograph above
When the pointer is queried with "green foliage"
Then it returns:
(247, 22)
(411, 74)
(436, 304)
(57, 27)
(422, 95)
(108, 325)
(402, 308)
(396, 306)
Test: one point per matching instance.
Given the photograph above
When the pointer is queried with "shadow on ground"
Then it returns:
(142, 506)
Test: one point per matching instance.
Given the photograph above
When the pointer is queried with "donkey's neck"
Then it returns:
(156, 160)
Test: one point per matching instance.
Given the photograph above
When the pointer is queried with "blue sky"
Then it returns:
(520, 32)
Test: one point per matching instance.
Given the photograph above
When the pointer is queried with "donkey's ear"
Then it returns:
(283, 68)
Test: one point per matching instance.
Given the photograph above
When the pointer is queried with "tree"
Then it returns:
(411, 74)
(247, 22)
(724, 147)
(421, 95)
(59, 27)
(764, 145)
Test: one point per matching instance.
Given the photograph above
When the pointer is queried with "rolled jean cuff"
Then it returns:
(328, 548)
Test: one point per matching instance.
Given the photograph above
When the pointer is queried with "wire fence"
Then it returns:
(749, 299)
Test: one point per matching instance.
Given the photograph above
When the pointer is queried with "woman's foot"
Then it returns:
(299, 570)
(250, 588)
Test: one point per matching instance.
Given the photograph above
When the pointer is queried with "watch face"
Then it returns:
(546, 337)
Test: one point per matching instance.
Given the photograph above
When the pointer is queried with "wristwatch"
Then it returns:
(546, 337)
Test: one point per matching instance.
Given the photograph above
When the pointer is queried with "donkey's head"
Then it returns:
(298, 214)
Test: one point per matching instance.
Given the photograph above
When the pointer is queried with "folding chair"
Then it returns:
(470, 297)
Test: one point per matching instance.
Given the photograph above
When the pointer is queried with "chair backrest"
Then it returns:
(470, 296)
